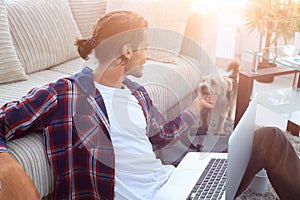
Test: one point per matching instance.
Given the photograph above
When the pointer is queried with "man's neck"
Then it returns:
(112, 76)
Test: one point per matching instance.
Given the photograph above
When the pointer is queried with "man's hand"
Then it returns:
(16, 184)
(202, 101)
(205, 101)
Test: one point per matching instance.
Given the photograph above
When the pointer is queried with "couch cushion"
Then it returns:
(71, 67)
(170, 15)
(43, 32)
(10, 66)
(14, 91)
(170, 86)
(86, 14)
(30, 152)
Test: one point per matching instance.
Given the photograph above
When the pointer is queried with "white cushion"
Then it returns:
(30, 152)
(170, 16)
(76, 65)
(10, 66)
(14, 91)
(170, 86)
(86, 14)
(43, 32)
(70, 67)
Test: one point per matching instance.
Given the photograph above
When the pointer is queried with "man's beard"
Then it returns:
(136, 71)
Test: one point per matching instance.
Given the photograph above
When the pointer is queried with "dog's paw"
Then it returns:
(221, 133)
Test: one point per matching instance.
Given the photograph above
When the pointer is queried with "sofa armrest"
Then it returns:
(192, 33)
(30, 152)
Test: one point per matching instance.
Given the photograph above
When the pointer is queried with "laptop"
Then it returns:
(184, 182)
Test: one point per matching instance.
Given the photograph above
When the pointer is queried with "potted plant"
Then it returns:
(272, 20)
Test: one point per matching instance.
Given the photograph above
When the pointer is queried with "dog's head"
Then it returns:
(214, 85)
(204, 89)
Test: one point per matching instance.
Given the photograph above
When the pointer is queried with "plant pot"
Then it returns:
(259, 183)
(262, 65)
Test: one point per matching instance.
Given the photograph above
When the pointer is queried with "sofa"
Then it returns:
(37, 47)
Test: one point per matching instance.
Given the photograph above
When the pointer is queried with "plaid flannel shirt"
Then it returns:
(72, 116)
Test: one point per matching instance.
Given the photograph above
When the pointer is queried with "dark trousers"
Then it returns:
(272, 151)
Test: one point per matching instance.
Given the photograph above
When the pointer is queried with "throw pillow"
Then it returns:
(43, 32)
(167, 21)
(10, 66)
(86, 14)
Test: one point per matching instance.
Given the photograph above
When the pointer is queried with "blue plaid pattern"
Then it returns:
(72, 116)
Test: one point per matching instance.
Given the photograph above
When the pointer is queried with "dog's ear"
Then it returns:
(203, 89)
(216, 81)
(202, 80)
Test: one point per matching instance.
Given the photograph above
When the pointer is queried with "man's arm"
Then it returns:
(17, 119)
(15, 183)
(162, 132)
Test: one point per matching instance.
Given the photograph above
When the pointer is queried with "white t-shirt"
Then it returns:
(138, 174)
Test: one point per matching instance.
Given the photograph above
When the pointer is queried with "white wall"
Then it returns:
(223, 25)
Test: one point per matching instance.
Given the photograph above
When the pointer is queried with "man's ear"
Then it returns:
(127, 51)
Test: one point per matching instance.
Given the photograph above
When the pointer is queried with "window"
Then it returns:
(199, 4)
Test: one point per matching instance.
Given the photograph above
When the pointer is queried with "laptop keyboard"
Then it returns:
(211, 184)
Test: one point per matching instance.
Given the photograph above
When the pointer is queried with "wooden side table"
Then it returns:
(245, 86)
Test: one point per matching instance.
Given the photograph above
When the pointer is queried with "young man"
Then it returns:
(99, 126)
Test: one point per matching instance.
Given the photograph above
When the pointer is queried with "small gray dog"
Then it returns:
(224, 91)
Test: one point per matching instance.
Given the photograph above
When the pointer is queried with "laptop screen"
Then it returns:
(239, 149)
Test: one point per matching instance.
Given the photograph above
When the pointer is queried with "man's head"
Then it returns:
(118, 35)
